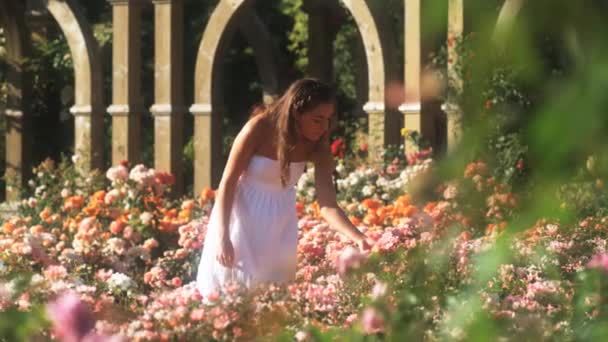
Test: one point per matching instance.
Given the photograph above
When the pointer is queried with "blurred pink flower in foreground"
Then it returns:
(73, 322)
(599, 261)
(350, 258)
(372, 321)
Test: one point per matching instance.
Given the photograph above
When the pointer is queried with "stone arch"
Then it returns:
(509, 11)
(205, 125)
(88, 109)
(266, 53)
(18, 132)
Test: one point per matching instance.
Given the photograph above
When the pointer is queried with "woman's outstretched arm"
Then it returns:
(326, 195)
(243, 148)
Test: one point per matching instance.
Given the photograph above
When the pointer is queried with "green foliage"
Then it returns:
(298, 36)
(21, 325)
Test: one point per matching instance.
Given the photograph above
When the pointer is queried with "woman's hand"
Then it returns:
(365, 244)
(225, 253)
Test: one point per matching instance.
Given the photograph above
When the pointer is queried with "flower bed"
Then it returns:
(128, 253)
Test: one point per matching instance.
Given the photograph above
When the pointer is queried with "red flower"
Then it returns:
(338, 148)
(488, 104)
(124, 163)
(520, 164)
(363, 147)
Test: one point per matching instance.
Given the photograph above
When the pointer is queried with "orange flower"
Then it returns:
(8, 227)
(172, 213)
(355, 221)
(430, 206)
(99, 196)
(73, 202)
(188, 205)
(371, 219)
(165, 225)
(316, 209)
(404, 200)
(207, 194)
(370, 203)
(45, 214)
(92, 209)
(184, 214)
(408, 211)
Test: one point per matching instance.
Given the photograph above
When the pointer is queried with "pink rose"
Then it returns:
(599, 261)
(372, 321)
(72, 320)
(117, 173)
(350, 258)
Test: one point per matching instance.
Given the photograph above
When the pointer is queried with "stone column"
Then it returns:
(376, 112)
(207, 146)
(321, 36)
(411, 109)
(88, 106)
(169, 110)
(127, 106)
(17, 112)
(451, 108)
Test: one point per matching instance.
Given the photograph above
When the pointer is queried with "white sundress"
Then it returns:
(263, 230)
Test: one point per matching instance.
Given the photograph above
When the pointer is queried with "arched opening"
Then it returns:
(207, 116)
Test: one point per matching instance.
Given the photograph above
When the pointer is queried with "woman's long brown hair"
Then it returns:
(302, 96)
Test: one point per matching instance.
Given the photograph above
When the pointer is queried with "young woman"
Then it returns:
(252, 234)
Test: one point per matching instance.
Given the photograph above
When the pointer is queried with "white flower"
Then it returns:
(302, 336)
(115, 246)
(37, 279)
(120, 281)
(65, 193)
(75, 158)
(31, 202)
(340, 168)
(368, 190)
(39, 190)
(146, 218)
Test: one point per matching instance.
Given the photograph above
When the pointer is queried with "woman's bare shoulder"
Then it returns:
(257, 126)
(254, 131)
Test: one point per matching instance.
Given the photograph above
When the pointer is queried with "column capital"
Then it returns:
(125, 110)
(81, 110)
(13, 113)
(167, 109)
(201, 109)
(410, 108)
(374, 108)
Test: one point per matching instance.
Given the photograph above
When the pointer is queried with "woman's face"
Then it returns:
(315, 122)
